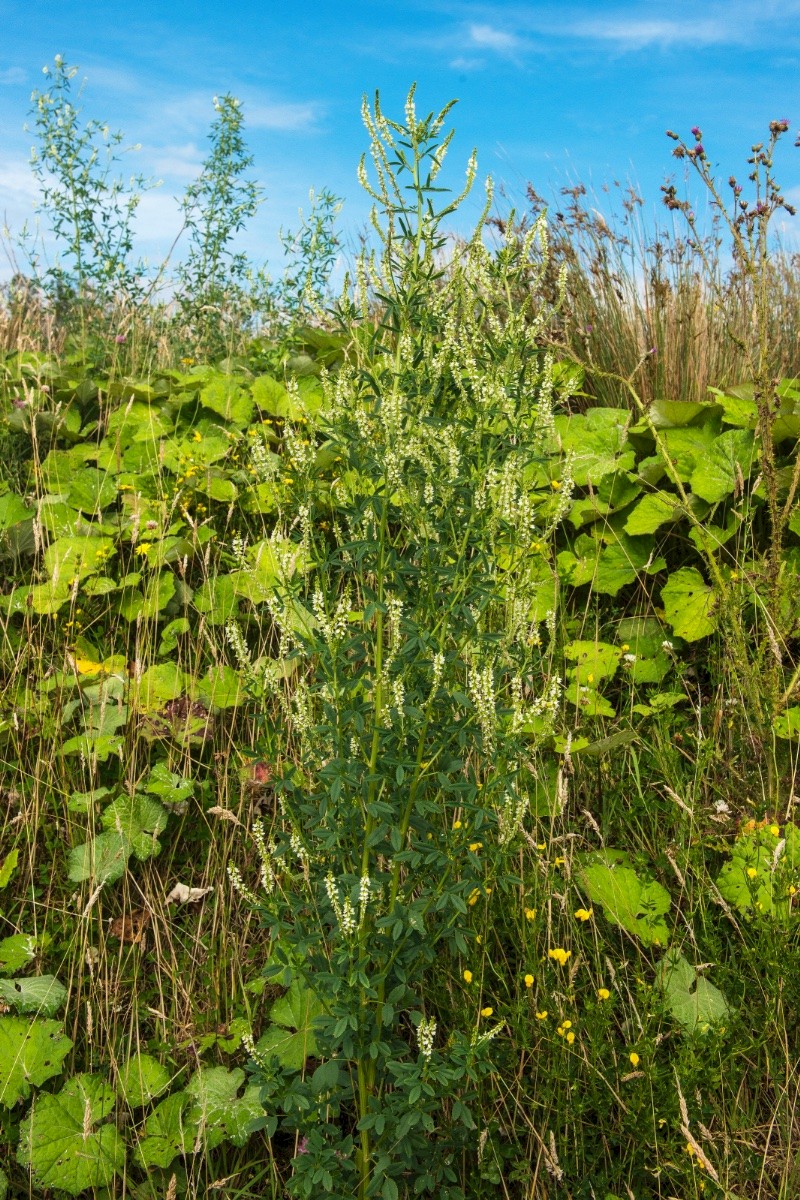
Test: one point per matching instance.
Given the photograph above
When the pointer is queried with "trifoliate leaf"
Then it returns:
(693, 1001)
(43, 995)
(141, 1079)
(31, 1052)
(63, 1143)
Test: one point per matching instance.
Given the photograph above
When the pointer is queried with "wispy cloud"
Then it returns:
(12, 75)
(637, 34)
(289, 118)
(487, 37)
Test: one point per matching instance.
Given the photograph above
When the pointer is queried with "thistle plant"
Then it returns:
(424, 681)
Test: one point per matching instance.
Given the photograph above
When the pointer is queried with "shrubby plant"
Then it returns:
(88, 207)
(216, 291)
(424, 680)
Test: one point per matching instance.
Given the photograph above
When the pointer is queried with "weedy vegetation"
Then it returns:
(400, 705)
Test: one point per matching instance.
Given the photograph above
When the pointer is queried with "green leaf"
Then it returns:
(13, 511)
(688, 447)
(588, 701)
(103, 859)
(652, 512)
(91, 490)
(598, 659)
(216, 599)
(8, 867)
(726, 464)
(787, 725)
(761, 871)
(76, 557)
(693, 1001)
(31, 1052)
(141, 1079)
(638, 905)
(168, 1133)
(139, 820)
(689, 604)
(160, 684)
(218, 1109)
(596, 442)
(291, 1038)
(20, 949)
(608, 568)
(225, 396)
(221, 687)
(3, 1185)
(63, 1143)
(39, 994)
(170, 787)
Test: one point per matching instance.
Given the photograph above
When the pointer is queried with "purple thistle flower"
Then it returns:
(697, 132)
(120, 339)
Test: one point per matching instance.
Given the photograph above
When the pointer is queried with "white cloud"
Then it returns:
(289, 118)
(634, 34)
(176, 162)
(489, 38)
(13, 75)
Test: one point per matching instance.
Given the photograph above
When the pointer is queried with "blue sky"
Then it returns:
(549, 93)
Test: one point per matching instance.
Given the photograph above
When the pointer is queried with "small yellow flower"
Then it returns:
(634, 1059)
(474, 847)
(456, 824)
(558, 862)
(474, 896)
(528, 981)
(468, 977)
(197, 436)
(487, 1012)
(603, 994)
(570, 1038)
(775, 830)
(590, 678)
(584, 914)
(751, 872)
(143, 547)
(559, 954)
(792, 890)
(566, 1024)
(530, 914)
(541, 845)
(625, 647)
(488, 891)
(555, 484)
(479, 939)
(542, 1016)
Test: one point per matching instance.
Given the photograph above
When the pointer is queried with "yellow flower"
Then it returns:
(584, 914)
(528, 981)
(468, 977)
(542, 1016)
(792, 890)
(751, 872)
(603, 994)
(590, 678)
(143, 547)
(487, 1012)
(558, 862)
(566, 1024)
(474, 896)
(541, 845)
(775, 830)
(555, 484)
(475, 846)
(625, 647)
(560, 955)
(197, 436)
(634, 1057)
(456, 824)
(530, 914)
(570, 1038)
